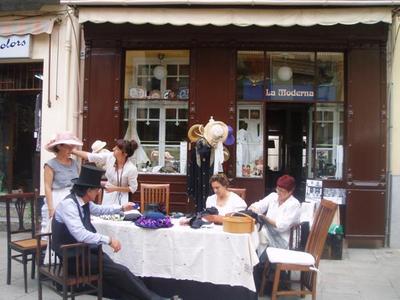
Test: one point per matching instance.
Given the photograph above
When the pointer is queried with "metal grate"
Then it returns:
(21, 77)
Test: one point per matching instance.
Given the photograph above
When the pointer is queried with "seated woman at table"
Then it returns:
(280, 211)
(225, 201)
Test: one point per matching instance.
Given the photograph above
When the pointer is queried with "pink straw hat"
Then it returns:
(65, 137)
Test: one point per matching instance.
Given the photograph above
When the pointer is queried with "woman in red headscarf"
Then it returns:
(281, 211)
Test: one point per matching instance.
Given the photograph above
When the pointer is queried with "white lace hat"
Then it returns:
(97, 146)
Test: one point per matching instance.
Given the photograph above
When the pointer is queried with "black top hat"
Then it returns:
(90, 176)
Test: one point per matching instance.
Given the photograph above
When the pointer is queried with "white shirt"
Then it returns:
(233, 204)
(285, 215)
(129, 175)
(67, 213)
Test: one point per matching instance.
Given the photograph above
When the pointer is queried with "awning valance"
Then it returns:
(27, 25)
(234, 16)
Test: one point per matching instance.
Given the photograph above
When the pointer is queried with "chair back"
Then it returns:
(298, 236)
(17, 205)
(317, 237)
(154, 193)
(239, 191)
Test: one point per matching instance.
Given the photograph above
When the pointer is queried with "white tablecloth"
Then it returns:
(180, 252)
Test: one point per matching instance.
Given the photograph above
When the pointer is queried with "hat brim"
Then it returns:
(230, 140)
(50, 147)
(208, 129)
(195, 132)
(99, 147)
(227, 155)
(77, 182)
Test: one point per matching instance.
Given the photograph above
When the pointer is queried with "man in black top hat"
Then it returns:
(71, 224)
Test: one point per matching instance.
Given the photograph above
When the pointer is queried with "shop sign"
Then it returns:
(293, 92)
(15, 46)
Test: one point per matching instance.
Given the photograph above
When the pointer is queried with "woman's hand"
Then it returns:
(214, 218)
(255, 209)
(51, 212)
(109, 188)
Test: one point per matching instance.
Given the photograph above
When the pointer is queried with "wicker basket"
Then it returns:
(238, 224)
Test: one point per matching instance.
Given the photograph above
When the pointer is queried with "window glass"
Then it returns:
(330, 76)
(329, 141)
(156, 108)
(290, 76)
(249, 141)
(157, 74)
(250, 75)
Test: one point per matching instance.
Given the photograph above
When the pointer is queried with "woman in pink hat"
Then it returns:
(58, 172)
(121, 173)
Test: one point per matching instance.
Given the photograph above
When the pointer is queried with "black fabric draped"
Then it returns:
(200, 169)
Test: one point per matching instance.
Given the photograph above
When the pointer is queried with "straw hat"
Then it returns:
(195, 132)
(215, 132)
(227, 155)
(65, 137)
(97, 146)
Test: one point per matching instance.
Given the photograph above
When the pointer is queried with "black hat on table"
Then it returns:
(90, 176)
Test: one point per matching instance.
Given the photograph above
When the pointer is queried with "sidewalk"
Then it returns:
(363, 274)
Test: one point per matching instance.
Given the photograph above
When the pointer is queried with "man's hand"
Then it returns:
(128, 206)
(115, 244)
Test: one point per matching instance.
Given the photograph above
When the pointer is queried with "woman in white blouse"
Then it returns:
(121, 173)
(224, 200)
(281, 210)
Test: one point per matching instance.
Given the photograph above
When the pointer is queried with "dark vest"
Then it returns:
(60, 232)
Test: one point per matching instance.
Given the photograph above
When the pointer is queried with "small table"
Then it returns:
(205, 255)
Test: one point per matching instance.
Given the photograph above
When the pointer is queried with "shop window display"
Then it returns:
(330, 76)
(249, 141)
(312, 80)
(328, 124)
(156, 109)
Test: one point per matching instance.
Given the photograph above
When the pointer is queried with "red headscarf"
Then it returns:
(286, 182)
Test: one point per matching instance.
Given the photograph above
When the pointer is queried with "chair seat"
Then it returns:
(283, 256)
(28, 244)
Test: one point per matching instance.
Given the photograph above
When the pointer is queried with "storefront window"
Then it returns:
(249, 141)
(291, 82)
(329, 141)
(250, 75)
(156, 108)
(291, 76)
(330, 76)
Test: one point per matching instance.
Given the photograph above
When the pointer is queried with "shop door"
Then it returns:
(287, 133)
(17, 141)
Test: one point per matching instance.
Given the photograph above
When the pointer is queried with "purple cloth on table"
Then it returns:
(146, 222)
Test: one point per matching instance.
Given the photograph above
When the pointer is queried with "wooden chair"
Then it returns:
(306, 262)
(22, 239)
(81, 276)
(239, 191)
(154, 193)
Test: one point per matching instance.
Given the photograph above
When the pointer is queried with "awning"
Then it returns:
(235, 16)
(27, 25)
(237, 2)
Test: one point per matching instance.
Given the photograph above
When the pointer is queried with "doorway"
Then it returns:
(17, 142)
(288, 129)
